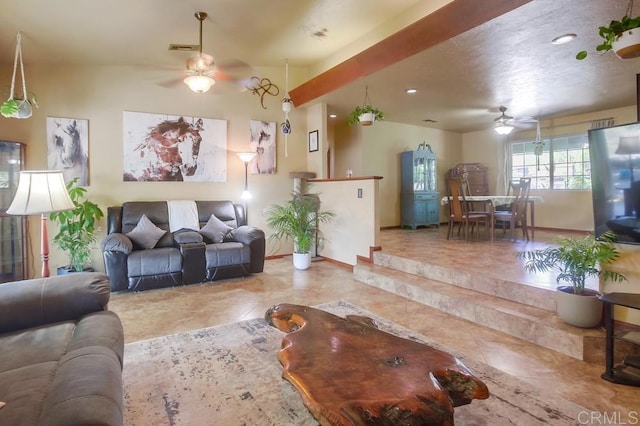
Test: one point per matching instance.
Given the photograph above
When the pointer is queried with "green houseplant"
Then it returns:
(613, 33)
(356, 116)
(77, 228)
(576, 259)
(298, 219)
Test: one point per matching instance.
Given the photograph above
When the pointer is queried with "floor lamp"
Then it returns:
(246, 158)
(41, 192)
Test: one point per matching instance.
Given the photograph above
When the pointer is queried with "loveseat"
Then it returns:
(153, 244)
(61, 352)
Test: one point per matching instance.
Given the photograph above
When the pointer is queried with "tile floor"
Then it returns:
(154, 313)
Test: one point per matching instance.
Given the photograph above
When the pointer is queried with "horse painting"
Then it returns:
(169, 152)
(67, 148)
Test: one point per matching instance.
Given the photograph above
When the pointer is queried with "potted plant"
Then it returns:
(619, 37)
(576, 259)
(298, 219)
(77, 229)
(365, 115)
(18, 107)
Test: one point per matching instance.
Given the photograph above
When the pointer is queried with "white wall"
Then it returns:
(101, 94)
(356, 227)
(375, 151)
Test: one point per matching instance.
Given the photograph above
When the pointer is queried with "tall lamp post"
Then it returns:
(246, 158)
(41, 192)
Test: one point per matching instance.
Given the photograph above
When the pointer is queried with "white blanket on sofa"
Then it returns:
(183, 214)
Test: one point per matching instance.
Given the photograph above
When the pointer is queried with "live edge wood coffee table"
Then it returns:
(349, 372)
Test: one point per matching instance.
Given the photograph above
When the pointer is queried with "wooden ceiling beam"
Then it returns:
(447, 22)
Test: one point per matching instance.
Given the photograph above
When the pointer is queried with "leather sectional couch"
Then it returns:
(61, 352)
(180, 256)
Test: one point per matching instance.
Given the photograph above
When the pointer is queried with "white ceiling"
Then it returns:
(507, 61)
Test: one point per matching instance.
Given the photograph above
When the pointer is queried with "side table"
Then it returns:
(627, 372)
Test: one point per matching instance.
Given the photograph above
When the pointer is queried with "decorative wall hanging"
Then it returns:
(263, 143)
(68, 148)
(262, 86)
(313, 141)
(17, 106)
(287, 104)
(161, 147)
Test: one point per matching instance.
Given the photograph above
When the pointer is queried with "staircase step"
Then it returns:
(464, 276)
(526, 322)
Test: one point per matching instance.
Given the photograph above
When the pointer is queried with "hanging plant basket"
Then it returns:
(627, 45)
(18, 106)
(365, 114)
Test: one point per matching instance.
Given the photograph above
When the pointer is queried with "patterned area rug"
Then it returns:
(229, 375)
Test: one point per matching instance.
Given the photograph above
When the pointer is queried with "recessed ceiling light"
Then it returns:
(411, 91)
(564, 38)
(333, 115)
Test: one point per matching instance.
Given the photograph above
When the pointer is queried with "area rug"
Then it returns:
(229, 375)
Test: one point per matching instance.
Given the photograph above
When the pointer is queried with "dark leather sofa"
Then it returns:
(183, 256)
(61, 352)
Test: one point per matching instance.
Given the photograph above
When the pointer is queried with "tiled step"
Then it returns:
(481, 281)
(530, 323)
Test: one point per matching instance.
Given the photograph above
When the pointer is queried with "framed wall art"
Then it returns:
(68, 148)
(263, 143)
(313, 141)
(165, 148)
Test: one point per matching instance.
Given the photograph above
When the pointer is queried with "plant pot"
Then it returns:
(627, 46)
(367, 118)
(583, 311)
(301, 261)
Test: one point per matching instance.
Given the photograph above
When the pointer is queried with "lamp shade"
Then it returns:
(199, 83)
(503, 128)
(246, 156)
(40, 192)
(628, 145)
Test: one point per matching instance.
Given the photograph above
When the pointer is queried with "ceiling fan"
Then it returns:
(200, 70)
(504, 124)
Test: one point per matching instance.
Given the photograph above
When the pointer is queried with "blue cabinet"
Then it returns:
(420, 202)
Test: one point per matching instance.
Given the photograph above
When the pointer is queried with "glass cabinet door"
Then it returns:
(431, 174)
(13, 233)
(419, 174)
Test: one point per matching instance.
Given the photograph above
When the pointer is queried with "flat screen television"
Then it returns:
(615, 179)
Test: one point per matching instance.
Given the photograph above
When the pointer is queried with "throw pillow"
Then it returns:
(146, 234)
(215, 229)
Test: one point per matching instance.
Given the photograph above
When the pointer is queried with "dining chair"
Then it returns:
(459, 213)
(516, 216)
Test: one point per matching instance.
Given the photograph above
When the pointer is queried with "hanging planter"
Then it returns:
(18, 106)
(627, 45)
(365, 114)
(623, 37)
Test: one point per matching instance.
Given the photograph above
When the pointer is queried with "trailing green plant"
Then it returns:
(354, 116)
(9, 108)
(298, 219)
(611, 33)
(77, 228)
(576, 259)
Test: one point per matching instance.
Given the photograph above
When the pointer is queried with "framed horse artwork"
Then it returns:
(263, 143)
(68, 148)
(174, 148)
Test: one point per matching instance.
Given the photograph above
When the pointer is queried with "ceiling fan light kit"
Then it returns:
(502, 126)
(199, 83)
(201, 80)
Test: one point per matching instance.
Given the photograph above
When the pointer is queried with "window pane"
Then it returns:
(562, 162)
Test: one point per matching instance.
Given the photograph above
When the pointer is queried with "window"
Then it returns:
(563, 163)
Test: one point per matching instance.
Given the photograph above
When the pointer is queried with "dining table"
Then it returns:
(503, 200)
